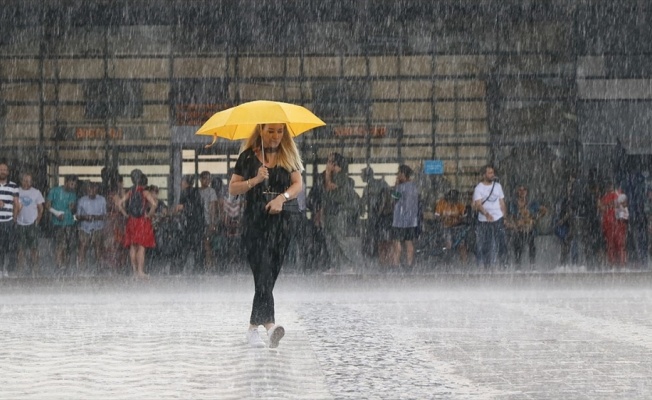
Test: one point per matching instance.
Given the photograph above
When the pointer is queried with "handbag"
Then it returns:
(290, 206)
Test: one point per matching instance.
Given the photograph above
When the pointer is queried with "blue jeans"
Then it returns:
(490, 243)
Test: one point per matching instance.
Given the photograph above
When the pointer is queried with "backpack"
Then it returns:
(135, 204)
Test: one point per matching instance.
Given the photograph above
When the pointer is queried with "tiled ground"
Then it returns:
(495, 336)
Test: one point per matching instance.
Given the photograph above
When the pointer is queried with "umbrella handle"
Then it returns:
(262, 149)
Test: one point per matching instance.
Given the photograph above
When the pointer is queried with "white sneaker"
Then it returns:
(275, 335)
(254, 338)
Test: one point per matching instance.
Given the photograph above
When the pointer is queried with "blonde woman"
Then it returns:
(268, 174)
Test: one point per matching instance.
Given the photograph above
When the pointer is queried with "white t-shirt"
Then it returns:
(492, 205)
(29, 200)
(621, 209)
(208, 196)
(88, 206)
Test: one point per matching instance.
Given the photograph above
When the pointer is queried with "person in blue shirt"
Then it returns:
(405, 224)
(62, 204)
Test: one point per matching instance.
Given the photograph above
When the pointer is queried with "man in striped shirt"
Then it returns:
(9, 207)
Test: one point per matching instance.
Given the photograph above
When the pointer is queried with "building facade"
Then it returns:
(535, 87)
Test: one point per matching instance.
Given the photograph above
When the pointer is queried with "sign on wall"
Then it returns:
(433, 167)
(360, 131)
(196, 114)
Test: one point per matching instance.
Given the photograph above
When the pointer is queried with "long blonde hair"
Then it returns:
(288, 155)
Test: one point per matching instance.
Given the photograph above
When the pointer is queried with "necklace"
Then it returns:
(271, 149)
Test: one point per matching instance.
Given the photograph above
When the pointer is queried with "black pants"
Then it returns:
(190, 243)
(491, 243)
(266, 245)
(7, 245)
(519, 240)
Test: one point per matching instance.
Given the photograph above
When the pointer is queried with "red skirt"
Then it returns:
(139, 232)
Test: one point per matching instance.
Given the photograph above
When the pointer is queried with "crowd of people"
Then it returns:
(109, 228)
(599, 225)
(605, 223)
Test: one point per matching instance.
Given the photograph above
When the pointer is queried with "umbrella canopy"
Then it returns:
(239, 122)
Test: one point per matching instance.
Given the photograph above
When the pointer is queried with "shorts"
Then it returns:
(94, 238)
(65, 237)
(27, 236)
(405, 234)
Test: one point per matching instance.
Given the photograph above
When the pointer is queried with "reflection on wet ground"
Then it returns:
(466, 336)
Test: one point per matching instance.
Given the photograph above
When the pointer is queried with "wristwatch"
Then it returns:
(286, 195)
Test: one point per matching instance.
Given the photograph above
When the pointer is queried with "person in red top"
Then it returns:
(139, 234)
(614, 227)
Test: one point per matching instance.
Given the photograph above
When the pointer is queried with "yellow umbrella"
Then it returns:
(240, 121)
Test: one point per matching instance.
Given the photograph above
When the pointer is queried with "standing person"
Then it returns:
(524, 214)
(218, 240)
(191, 210)
(634, 188)
(91, 212)
(139, 234)
(340, 205)
(9, 207)
(489, 202)
(587, 232)
(269, 177)
(115, 253)
(405, 224)
(210, 203)
(451, 212)
(372, 201)
(162, 232)
(647, 209)
(317, 249)
(27, 221)
(563, 226)
(61, 203)
(613, 207)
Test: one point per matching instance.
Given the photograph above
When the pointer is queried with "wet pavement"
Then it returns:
(349, 336)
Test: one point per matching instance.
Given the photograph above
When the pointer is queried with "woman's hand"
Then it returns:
(276, 205)
(263, 173)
